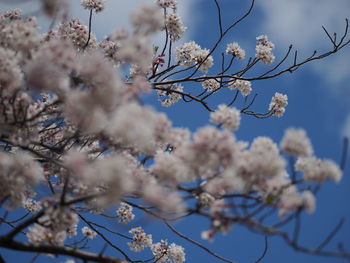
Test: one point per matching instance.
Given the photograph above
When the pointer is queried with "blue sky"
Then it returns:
(318, 95)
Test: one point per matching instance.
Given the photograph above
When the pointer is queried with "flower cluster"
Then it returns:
(191, 53)
(211, 84)
(89, 233)
(278, 104)
(317, 170)
(295, 142)
(53, 227)
(11, 14)
(262, 161)
(139, 127)
(50, 67)
(31, 205)
(167, 3)
(125, 213)
(11, 76)
(235, 50)
(20, 35)
(169, 168)
(264, 49)
(110, 49)
(210, 151)
(244, 86)
(291, 200)
(18, 173)
(205, 199)
(77, 33)
(97, 5)
(168, 97)
(228, 117)
(174, 26)
(38, 235)
(140, 239)
(165, 253)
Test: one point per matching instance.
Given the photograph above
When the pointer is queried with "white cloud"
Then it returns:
(300, 22)
(116, 14)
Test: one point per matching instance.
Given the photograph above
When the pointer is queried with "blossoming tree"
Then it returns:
(76, 139)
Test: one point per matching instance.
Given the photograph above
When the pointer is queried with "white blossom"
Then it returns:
(125, 213)
(137, 126)
(50, 67)
(53, 227)
(167, 3)
(228, 117)
(31, 205)
(140, 239)
(11, 76)
(278, 104)
(165, 199)
(174, 26)
(292, 200)
(11, 14)
(260, 163)
(178, 137)
(89, 233)
(235, 50)
(191, 53)
(169, 168)
(210, 150)
(168, 97)
(18, 174)
(97, 5)
(264, 49)
(165, 253)
(211, 84)
(296, 142)
(20, 35)
(244, 86)
(318, 170)
(78, 33)
(38, 235)
(110, 49)
(175, 253)
(206, 199)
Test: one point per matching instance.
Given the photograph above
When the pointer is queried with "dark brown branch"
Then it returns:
(23, 225)
(46, 249)
(90, 24)
(219, 16)
(184, 95)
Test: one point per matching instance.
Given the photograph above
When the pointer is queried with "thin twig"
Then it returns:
(197, 243)
(264, 251)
